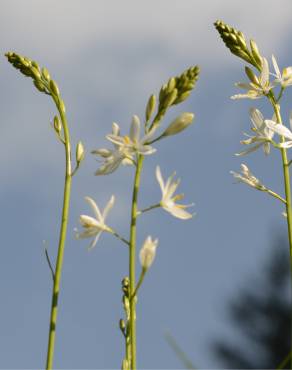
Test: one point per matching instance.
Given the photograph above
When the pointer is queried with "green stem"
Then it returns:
(277, 196)
(140, 281)
(286, 173)
(148, 209)
(286, 180)
(132, 261)
(62, 238)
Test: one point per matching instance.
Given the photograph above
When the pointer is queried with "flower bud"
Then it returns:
(80, 152)
(252, 77)
(57, 125)
(179, 124)
(255, 52)
(45, 74)
(147, 252)
(62, 105)
(150, 107)
(54, 87)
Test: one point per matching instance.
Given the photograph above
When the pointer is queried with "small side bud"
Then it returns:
(62, 105)
(252, 77)
(80, 152)
(171, 84)
(148, 252)
(54, 87)
(122, 325)
(179, 124)
(255, 52)
(57, 125)
(150, 107)
(39, 85)
(45, 74)
(125, 364)
(170, 98)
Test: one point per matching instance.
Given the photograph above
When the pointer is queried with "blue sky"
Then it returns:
(108, 57)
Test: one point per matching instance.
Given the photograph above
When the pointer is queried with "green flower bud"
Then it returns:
(252, 77)
(171, 84)
(39, 85)
(57, 125)
(80, 152)
(170, 98)
(54, 87)
(179, 124)
(122, 325)
(36, 73)
(45, 74)
(62, 105)
(255, 52)
(150, 107)
(125, 364)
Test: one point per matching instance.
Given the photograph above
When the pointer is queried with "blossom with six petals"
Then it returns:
(94, 226)
(168, 201)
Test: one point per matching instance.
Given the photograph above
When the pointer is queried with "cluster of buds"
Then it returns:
(175, 91)
(236, 43)
(41, 77)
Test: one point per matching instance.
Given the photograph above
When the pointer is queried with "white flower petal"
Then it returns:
(159, 179)
(135, 129)
(279, 129)
(276, 67)
(108, 207)
(256, 117)
(94, 207)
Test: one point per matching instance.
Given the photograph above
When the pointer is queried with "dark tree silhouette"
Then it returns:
(261, 313)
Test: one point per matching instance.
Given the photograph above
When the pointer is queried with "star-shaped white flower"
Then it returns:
(133, 143)
(284, 79)
(263, 133)
(112, 159)
(94, 226)
(168, 200)
(283, 131)
(258, 88)
(248, 178)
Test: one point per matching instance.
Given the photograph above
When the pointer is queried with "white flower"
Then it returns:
(248, 178)
(113, 158)
(94, 226)
(168, 199)
(133, 143)
(283, 131)
(263, 133)
(258, 88)
(284, 79)
(148, 252)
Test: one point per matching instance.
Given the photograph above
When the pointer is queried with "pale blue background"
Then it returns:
(108, 57)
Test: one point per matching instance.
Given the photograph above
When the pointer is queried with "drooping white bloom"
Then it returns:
(263, 133)
(112, 159)
(283, 131)
(284, 79)
(148, 252)
(133, 143)
(258, 88)
(168, 200)
(94, 226)
(248, 178)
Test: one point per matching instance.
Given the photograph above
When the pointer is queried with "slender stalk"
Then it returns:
(275, 195)
(286, 173)
(62, 238)
(140, 281)
(132, 261)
